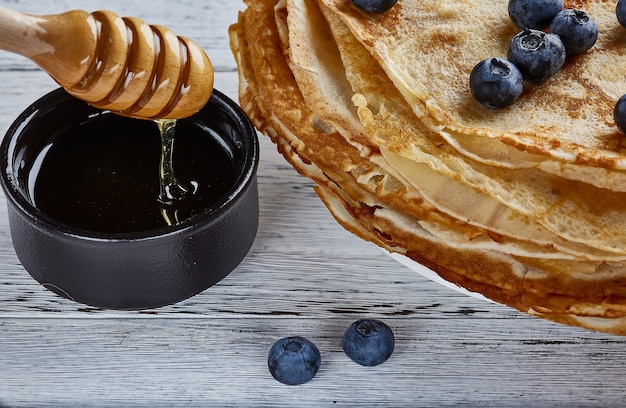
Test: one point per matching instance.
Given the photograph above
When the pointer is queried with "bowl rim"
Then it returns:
(242, 183)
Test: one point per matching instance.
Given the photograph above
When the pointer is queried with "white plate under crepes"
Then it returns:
(427, 273)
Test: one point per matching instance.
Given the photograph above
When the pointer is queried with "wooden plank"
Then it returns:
(223, 362)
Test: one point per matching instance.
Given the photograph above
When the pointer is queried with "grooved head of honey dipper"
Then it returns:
(181, 92)
(144, 71)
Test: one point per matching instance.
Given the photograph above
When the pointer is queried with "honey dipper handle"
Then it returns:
(62, 45)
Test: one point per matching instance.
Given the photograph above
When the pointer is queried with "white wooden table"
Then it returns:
(305, 276)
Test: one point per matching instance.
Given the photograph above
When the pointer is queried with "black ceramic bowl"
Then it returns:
(138, 269)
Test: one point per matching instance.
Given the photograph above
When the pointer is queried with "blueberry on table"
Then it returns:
(368, 342)
(496, 82)
(374, 6)
(619, 114)
(538, 55)
(294, 360)
(576, 29)
(536, 14)
(620, 11)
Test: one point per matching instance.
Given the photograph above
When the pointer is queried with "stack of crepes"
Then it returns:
(525, 205)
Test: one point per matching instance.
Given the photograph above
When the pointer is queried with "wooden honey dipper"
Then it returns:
(115, 63)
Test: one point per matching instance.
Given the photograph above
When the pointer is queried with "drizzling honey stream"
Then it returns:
(172, 192)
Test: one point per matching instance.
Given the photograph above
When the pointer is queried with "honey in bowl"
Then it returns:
(103, 174)
(87, 216)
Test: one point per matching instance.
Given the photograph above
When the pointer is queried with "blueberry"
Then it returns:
(619, 114)
(535, 14)
(536, 54)
(620, 11)
(293, 360)
(496, 82)
(576, 29)
(368, 342)
(374, 6)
